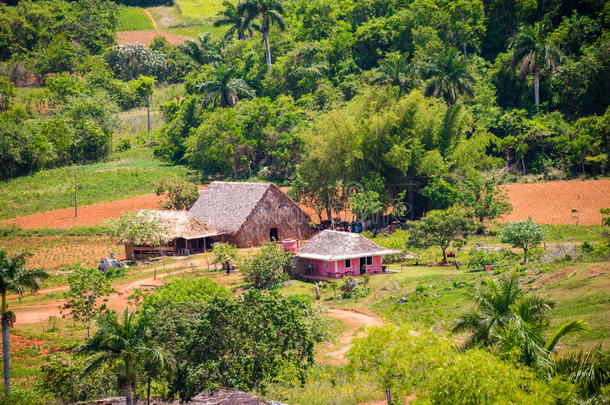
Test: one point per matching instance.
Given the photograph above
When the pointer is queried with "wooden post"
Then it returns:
(75, 194)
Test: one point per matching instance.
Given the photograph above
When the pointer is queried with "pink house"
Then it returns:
(334, 254)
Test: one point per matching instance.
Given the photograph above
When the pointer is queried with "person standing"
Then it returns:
(228, 266)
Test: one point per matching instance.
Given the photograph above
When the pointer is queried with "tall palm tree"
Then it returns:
(14, 277)
(236, 22)
(268, 12)
(125, 344)
(532, 52)
(222, 88)
(202, 50)
(449, 77)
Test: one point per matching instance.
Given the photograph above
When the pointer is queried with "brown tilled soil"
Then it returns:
(146, 37)
(549, 203)
(553, 202)
(88, 215)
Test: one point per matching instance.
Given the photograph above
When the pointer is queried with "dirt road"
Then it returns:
(353, 321)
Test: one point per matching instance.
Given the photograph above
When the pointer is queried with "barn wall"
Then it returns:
(275, 210)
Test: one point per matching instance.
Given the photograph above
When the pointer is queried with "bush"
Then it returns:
(124, 145)
(269, 267)
(478, 377)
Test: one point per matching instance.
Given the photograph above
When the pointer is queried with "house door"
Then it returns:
(273, 235)
(362, 266)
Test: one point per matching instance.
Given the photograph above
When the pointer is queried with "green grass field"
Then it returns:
(132, 19)
(199, 8)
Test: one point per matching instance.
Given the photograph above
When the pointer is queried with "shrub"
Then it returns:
(269, 267)
(478, 377)
(124, 144)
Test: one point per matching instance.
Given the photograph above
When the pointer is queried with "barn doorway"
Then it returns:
(362, 265)
(273, 235)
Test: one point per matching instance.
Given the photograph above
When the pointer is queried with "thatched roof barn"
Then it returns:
(334, 254)
(183, 233)
(250, 214)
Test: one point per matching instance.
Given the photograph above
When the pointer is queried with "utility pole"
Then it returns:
(75, 194)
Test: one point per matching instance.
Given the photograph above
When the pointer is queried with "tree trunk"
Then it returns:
(525, 255)
(523, 163)
(128, 393)
(88, 328)
(6, 348)
(537, 88)
(148, 391)
(444, 255)
(267, 50)
(388, 396)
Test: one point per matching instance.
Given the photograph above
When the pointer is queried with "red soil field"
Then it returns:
(548, 203)
(145, 37)
(553, 202)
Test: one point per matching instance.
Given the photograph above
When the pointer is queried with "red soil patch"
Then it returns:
(146, 37)
(88, 215)
(553, 202)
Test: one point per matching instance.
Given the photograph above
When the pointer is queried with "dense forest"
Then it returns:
(410, 99)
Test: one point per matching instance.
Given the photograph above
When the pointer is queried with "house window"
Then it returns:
(369, 260)
(325, 263)
(348, 263)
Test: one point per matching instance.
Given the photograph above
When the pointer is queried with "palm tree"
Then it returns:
(14, 277)
(396, 70)
(222, 88)
(124, 344)
(236, 22)
(449, 77)
(494, 301)
(202, 50)
(532, 52)
(269, 12)
(590, 371)
(509, 320)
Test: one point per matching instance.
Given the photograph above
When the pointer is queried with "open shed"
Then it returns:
(183, 233)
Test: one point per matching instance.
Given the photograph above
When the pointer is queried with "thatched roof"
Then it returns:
(182, 224)
(334, 245)
(227, 205)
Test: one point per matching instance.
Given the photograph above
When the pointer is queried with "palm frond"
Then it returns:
(568, 328)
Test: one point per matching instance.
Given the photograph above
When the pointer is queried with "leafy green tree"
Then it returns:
(334, 284)
(223, 251)
(442, 228)
(222, 88)
(139, 228)
(365, 205)
(267, 268)
(7, 93)
(87, 296)
(14, 276)
(178, 292)
(236, 21)
(532, 52)
(181, 193)
(466, 24)
(268, 12)
(132, 60)
(485, 197)
(523, 234)
(395, 358)
(123, 343)
(243, 342)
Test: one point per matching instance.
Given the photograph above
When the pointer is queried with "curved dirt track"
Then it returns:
(352, 322)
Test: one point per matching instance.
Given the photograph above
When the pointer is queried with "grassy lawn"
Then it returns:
(196, 29)
(199, 8)
(132, 19)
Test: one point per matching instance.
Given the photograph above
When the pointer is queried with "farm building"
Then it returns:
(334, 254)
(250, 214)
(183, 232)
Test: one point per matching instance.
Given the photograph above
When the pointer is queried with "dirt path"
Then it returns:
(154, 23)
(352, 322)
(41, 312)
